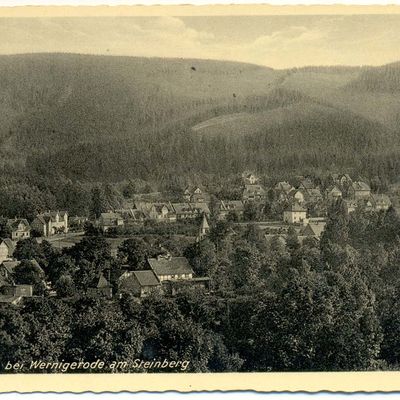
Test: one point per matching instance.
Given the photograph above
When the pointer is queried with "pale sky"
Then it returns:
(274, 41)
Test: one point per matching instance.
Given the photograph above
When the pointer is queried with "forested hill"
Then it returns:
(105, 118)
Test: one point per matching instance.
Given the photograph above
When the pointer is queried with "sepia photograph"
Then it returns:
(199, 193)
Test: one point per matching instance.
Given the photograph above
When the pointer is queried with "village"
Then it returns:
(276, 211)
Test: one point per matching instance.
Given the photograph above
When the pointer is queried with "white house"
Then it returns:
(295, 214)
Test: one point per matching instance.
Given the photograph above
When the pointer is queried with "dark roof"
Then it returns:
(146, 278)
(51, 216)
(10, 245)
(360, 186)
(296, 207)
(234, 205)
(170, 266)
(314, 229)
(13, 223)
(10, 265)
(283, 186)
(181, 208)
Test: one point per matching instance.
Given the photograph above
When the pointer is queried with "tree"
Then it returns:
(49, 321)
(5, 230)
(65, 286)
(14, 330)
(28, 249)
(203, 257)
(94, 249)
(134, 252)
(292, 241)
(98, 203)
(250, 212)
(29, 273)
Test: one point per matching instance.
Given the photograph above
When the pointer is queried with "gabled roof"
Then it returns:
(146, 278)
(182, 208)
(296, 207)
(333, 189)
(10, 245)
(204, 223)
(51, 216)
(110, 215)
(13, 223)
(103, 282)
(170, 266)
(159, 206)
(10, 265)
(40, 218)
(314, 229)
(307, 183)
(201, 207)
(360, 185)
(284, 186)
(381, 198)
(231, 205)
(254, 189)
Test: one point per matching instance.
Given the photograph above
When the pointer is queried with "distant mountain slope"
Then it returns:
(111, 118)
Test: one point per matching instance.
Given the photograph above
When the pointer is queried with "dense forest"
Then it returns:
(69, 123)
(275, 306)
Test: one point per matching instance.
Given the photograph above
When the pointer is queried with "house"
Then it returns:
(17, 290)
(307, 184)
(201, 209)
(184, 211)
(196, 195)
(313, 229)
(249, 178)
(7, 299)
(226, 207)
(199, 196)
(51, 223)
(170, 268)
(350, 205)
(7, 248)
(344, 180)
(20, 228)
(138, 283)
(254, 193)
(359, 190)
(282, 189)
(162, 212)
(333, 193)
(77, 223)
(313, 195)
(203, 229)
(297, 195)
(295, 214)
(7, 270)
(380, 202)
(131, 215)
(110, 220)
(103, 288)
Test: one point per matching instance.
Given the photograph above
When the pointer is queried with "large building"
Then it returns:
(170, 268)
(51, 223)
(295, 214)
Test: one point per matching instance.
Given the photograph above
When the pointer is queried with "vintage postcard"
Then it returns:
(200, 198)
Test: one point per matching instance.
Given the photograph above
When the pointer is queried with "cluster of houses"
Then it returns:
(308, 195)
(162, 274)
(45, 224)
(195, 204)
